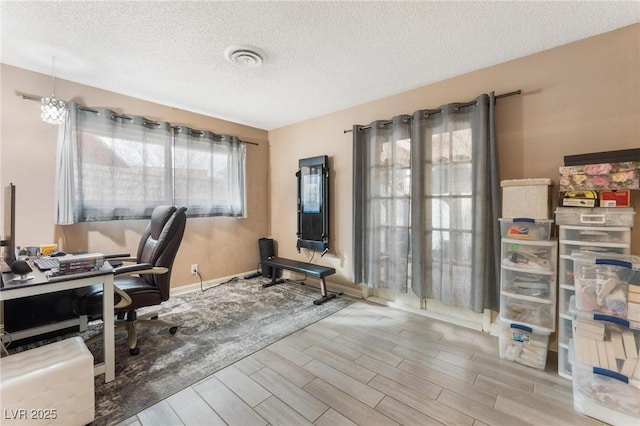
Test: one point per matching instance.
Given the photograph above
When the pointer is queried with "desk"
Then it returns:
(40, 284)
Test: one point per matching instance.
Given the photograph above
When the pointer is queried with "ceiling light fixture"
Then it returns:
(247, 56)
(52, 109)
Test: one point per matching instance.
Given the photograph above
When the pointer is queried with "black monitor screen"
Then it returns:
(311, 189)
(9, 236)
(313, 215)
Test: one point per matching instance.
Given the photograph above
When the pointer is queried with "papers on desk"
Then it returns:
(79, 263)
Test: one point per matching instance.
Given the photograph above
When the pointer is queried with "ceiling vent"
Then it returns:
(247, 56)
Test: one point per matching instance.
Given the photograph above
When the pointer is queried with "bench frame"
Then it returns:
(310, 269)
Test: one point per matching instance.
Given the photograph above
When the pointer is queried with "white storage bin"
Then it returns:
(566, 334)
(564, 366)
(596, 235)
(605, 341)
(563, 300)
(604, 395)
(529, 255)
(534, 285)
(601, 281)
(539, 314)
(523, 344)
(597, 216)
(526, 198)
(526, 228)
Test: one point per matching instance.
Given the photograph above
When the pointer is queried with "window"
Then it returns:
(209, 173)
(451, 210)
(125, 166)
(382, 203)
(454, 232)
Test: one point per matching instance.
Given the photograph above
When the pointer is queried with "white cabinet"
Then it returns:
(528, 282)
(598, 239)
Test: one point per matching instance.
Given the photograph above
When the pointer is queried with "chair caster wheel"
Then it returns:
(173, 330)
(134, 351)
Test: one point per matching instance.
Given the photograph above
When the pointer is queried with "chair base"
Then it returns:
(131, 323)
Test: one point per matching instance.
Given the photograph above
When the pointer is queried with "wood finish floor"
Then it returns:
(374, 365)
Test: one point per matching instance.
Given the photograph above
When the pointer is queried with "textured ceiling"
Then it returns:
(321, 57)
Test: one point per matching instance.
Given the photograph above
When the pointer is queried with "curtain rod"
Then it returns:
(459, 105)
(83, 108)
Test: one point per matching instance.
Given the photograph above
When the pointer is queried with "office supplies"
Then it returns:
(48, 249)
(21, 269)
(46, 263)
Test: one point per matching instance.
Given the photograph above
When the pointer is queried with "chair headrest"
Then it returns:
(159, 218)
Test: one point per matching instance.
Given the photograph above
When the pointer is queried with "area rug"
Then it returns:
(216, 328)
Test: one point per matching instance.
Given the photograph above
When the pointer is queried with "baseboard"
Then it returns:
(429, 314)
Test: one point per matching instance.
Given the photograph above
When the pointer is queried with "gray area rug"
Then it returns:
(216, 328)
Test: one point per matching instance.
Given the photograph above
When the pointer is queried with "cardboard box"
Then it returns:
(600, 177)
(526, 198)
(621, 198)
(578, 199)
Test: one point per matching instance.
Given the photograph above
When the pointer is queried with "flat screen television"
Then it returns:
(313, 203)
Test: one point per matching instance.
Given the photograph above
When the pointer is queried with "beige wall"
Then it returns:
(579, 98)
(221, 246)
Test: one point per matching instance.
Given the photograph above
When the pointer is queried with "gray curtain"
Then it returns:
(382, 189)
(65, 209)
(111, 166)
(209, 172)
(122, 165)
(455, 236)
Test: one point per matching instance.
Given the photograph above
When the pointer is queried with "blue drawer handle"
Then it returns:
(524, 219)
(616, 320)
(614, 262)
(522, 327)
(612, 374)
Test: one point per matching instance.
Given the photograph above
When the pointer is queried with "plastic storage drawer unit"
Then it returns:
(606, 342)
(596, 216)
(601, 283)
(539, 314)
(523, 344)
(529, 255)
(526, 228)
(539, 286)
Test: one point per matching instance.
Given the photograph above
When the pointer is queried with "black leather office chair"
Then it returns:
(145, 283)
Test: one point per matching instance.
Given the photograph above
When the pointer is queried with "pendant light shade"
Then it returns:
(51, 108)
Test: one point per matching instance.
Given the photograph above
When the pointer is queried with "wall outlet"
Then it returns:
(194, 269)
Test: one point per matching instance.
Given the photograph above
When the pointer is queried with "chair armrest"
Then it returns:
(139, 268)
(117, 255)
(125, 299)
(130, 269)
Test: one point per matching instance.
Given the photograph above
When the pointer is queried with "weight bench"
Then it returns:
(303, 268)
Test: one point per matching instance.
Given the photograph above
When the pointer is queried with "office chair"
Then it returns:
(145, 283)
